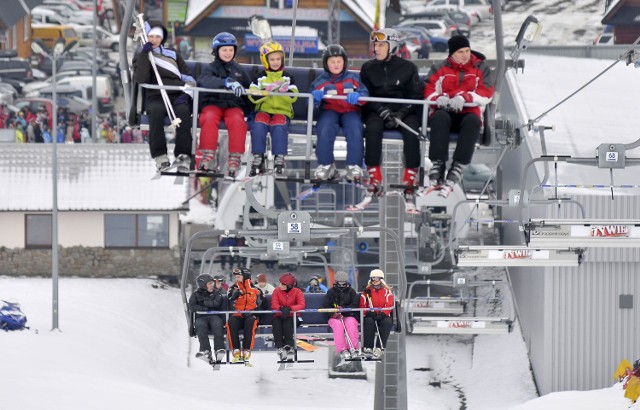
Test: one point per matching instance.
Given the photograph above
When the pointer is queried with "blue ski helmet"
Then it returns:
(223, 39)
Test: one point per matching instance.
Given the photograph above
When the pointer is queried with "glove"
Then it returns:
(286, 311)
(317, 96)
(284, 87)
(337, 316)
(442, 101)
(147, 47)
(275, 86)
(384, 113)
(370, 314)
(456, 104)
(352, 98)
(403, 112)
(182, 99)
(238, 89)
(235, 294)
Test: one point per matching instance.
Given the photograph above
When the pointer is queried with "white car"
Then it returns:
(105, 39)
(480, 9)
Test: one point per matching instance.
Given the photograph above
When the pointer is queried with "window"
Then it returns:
(136, 231)
(26, 27)
(38, 231)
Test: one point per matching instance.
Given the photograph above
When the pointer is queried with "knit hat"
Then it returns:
(341, 276)
(262, 277)
(376, 273)
(288, 279)
(457, 42)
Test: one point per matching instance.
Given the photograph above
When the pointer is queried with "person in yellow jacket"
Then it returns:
(243, 296)
(273, 113)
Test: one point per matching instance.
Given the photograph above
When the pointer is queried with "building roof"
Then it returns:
(91, 177)
(622, 13)
(11, 15)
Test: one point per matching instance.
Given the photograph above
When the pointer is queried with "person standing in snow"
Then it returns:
(377, 294)
(463, 77)
(208, 296)
(286, 298)
(342, 295)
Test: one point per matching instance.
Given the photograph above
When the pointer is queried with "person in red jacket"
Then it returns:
(286, 298)
(243, 296)
(463, 77)
(377, 294)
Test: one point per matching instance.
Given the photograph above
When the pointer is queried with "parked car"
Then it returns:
(423, 36)
(43, 15)
(438, 44)
(15, 67)
(456, 27)
(435, 27)
(104, 89)
(75, 99)
(104, 38)
(480, 9)
(50, 33)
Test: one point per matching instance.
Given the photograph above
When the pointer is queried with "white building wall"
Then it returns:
(12, 233)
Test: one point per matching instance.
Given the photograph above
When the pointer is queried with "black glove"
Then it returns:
(182, 99)
(235, 294)
(371, 314)
(391, 123)
(384, 113)
(147, 47)
(403, 112)
(286, 311)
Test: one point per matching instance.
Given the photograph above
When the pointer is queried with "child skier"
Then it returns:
(223, 72)
(377, 294)
(273, 113)
(343, 324)
(335, 113)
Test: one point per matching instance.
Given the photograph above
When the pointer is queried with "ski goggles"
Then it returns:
(380, 36)
(342, 284)
(376, 279)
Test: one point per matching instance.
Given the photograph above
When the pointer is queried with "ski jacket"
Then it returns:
(341, 84)
(243, 296)
(202, 301)
(473, 81)
(380, 298)
(275, 104)
(171, 68)
(213, 76)
(294, 298)
(342, 297)
(392, 78)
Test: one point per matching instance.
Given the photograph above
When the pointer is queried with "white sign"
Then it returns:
(294, 227)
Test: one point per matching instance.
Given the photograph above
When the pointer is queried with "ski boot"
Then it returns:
(204, 355)
(325, 172)
(182, 163)
(162, 162)
(237, 357)
(375, 180)
(220, 355)
(436, 175)
(367, 352)
(354, 174)
(246, 355)
(208, 161)
(283, 353)
(377, 352)
(234, 165)
(257, 165)
(279, 164)
(454, 176)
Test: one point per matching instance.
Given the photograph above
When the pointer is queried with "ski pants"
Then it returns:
(385, 323)
(277, 125)
(327, 127)
(283, 332)
(157, 140)
(442, 124)
(210, 118)
(339, 336)
(373, 137)
(210, 324)
(249, 323)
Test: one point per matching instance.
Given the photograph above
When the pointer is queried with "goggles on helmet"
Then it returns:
(380, 36)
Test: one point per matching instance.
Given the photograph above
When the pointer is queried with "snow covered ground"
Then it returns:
(123, 344)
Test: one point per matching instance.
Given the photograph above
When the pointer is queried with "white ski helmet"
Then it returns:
(390, 36)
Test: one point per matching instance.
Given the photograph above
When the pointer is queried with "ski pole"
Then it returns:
(376, 323)
(346, 334)
(175, 122)
(408, 128)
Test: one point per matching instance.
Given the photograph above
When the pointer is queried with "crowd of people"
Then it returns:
(457, 88)
(33, 125)
(244, 297)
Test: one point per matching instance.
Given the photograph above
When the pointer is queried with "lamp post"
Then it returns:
(58, 50)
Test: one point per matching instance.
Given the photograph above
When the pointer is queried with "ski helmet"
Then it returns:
(241, 270)
(203, 279)
(268, 48)
(376, 273)
(334, 50)
(390, 36)
(223, 39)
(288, 280)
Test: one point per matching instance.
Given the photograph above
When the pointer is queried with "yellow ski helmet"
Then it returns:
(268, 48)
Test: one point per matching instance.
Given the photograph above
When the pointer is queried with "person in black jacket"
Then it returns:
(342, 295)
(209, 296)
(172, 71)
(388, 75)
(223, 72)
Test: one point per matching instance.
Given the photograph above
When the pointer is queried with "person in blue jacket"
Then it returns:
(335, 113)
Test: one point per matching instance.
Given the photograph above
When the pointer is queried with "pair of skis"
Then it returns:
(216, 361)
